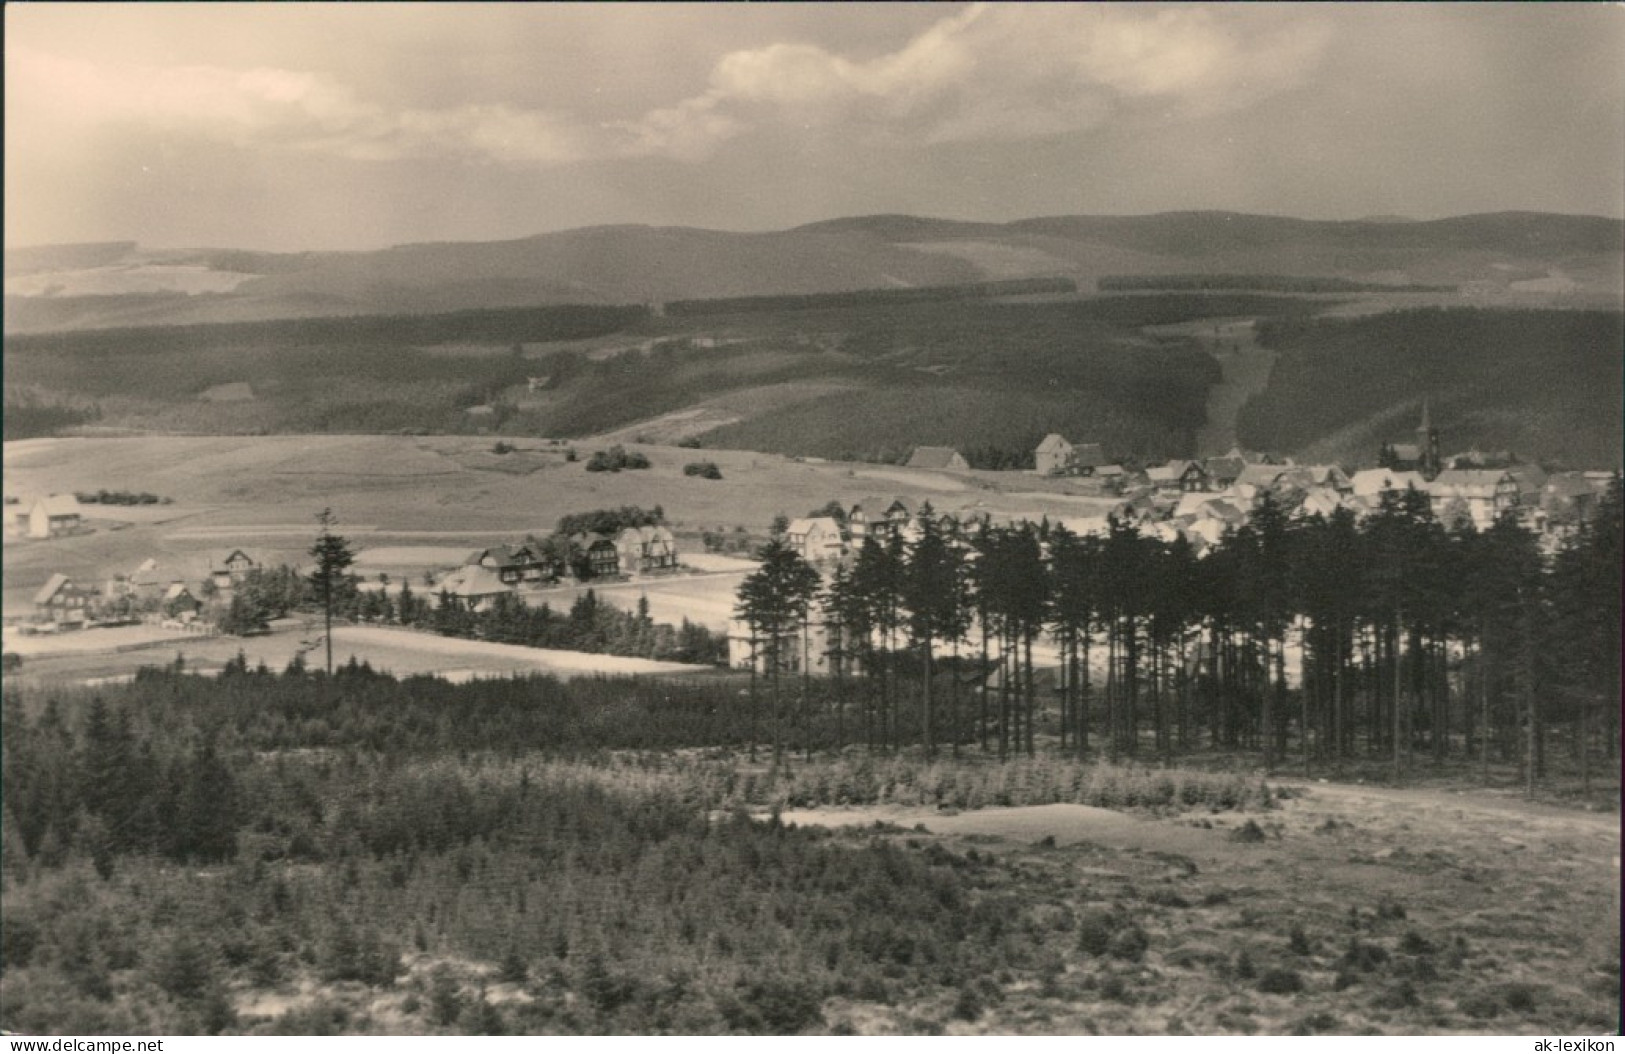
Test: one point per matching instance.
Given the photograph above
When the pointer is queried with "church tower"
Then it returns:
(1427, 444)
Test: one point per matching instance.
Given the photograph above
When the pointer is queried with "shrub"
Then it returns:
(703, 469)
(1129, 942)
(1518, 996)
(1480, 1004)
(1413, 943)
(359, 956)
(774, 1007)
(184, 967)
(1166, 898)
(968, 1005)
(1299, 941)
(616, 458)
(1389, 908)
(502, 448)
(1319, 1022)
(484, 1019)
(1095, 931)
(1363, 957)
(19, 936)
(1280, 981)
(445, 997)
(1248, 832)
(513, 969)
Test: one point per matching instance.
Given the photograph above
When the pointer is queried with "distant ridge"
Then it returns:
(47, 286)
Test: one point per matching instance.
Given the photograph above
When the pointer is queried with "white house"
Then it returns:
(816, 539)
(50, 516)
(1479, 494)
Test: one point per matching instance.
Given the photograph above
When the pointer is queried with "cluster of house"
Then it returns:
(1198, 500)
(50, 516)
(149, 593)
(629, 552)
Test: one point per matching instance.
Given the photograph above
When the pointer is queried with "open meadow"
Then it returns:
(424, 502)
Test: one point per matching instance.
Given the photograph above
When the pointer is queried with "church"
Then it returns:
(1421, 456)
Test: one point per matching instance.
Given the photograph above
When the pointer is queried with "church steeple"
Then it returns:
(1427, 444)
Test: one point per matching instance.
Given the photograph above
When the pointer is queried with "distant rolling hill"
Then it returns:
(1534, 259)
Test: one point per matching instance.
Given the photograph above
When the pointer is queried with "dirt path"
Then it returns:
(1234, 343)
(1246, 371)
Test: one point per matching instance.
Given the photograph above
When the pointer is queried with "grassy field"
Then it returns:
(445, 493)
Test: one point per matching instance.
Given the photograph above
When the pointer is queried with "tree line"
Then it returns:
(1410, 638)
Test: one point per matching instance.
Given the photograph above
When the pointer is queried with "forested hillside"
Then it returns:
(870, 378)
(1545, 384)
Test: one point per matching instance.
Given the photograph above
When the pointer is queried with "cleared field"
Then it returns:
(387, 557)
(262, 493)
(398, 651)
(708, 599)
(80, 642)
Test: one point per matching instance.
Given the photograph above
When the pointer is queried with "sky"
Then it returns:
(298, 126)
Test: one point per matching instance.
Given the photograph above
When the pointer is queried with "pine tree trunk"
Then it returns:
(1399, 734)
(925, 706)
(1005, 670)
(981, 722)
(1032, 748)
(1083, 701)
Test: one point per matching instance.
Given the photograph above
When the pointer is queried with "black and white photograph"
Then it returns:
(812, 519)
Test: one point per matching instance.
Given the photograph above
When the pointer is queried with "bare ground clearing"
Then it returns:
(1409, 911)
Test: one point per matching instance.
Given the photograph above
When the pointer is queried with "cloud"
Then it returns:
(283, 109)
(984, 73)
(1009, 72)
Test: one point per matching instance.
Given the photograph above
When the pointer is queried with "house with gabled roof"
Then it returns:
(179, 603)
(1374, 482)
(1479, 494)
(473, 585)
(1331, 476)
(1264, 477)
(231, 568)
(50, 516)
(1180, 475)
(938, 457)
(816, 648)
(646, 550)
(1320, 501)
(1053, 456)
(817, 539)
(880, 517)
(1569, 498)
(1057, 457)
(599, 553)
(1223, 471)
(62, 601)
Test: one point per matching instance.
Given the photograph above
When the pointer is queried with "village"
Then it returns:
(621, 553)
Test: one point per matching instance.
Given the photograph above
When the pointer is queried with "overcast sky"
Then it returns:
(316, 126)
